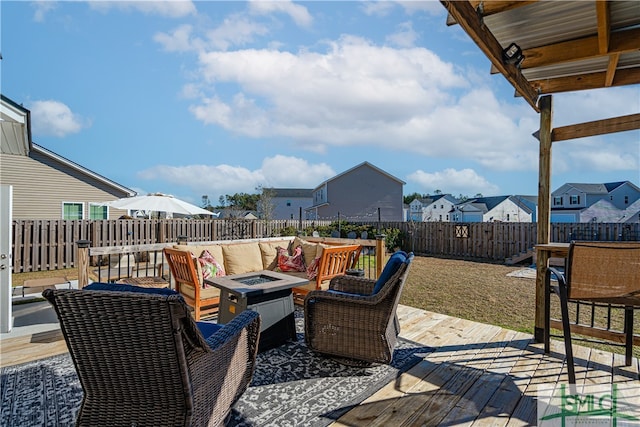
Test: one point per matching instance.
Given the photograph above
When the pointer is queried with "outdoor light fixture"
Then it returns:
(513, 55)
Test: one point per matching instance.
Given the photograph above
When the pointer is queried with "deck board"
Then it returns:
(473, 374)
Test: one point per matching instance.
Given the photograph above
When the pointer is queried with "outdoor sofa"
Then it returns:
(322, 262)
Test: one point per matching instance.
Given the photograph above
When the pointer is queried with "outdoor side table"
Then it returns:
(146, 282)
(266, 292)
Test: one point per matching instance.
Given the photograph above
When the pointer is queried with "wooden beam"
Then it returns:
(604, 25)
(491, 7)
(597, 127)
(584, 48)
(466, 15)
(611, 69)
(628, 76)
(544, 210)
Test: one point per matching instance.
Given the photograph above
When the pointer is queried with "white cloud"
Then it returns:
(406, 36)
(53, 118)
(179, 40)
(584, 106)
(235, 30)
(170, 9)
(466, 182)
(357, 93)
(597, 154)
(384, 7)
(42, 8)
(342, 96)
(299, 14)
(276, 171)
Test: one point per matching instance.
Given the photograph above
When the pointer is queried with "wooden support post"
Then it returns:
(381, 252)
(83, 263)
(544, 211)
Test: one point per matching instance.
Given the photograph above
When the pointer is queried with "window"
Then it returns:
(507, 217)
(574, 200)
(557, 201)
(440, 217)
(98, 212)
(288, 202)
(626, 200)
(72, 210)
(441, 206)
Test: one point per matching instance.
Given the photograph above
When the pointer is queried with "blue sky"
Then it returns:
(194, 98)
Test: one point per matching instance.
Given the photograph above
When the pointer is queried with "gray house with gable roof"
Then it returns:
(358, 194)
(606, 202)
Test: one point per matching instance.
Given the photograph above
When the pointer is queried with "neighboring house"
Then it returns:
(45, 184)
(574, 202)
(358, 194)
(233, 213)
(432, 208)
(489, 209)
(289, 203)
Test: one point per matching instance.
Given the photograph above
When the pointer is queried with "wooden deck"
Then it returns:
(477, 375)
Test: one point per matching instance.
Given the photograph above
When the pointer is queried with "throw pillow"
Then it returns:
(293, 262)
(312, 269)
(210, 267)
(390, 269)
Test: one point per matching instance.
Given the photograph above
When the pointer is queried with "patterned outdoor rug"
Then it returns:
(291, 386)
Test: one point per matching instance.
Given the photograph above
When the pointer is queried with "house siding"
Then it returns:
(359, 194)
(41, 185)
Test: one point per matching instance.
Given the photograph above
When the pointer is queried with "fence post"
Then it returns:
(380, 253)
(83, 263)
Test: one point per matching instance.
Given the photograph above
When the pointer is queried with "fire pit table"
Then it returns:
(266, 292)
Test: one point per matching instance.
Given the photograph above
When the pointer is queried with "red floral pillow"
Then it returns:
(210, 267)
(312, 269)
(293, 262)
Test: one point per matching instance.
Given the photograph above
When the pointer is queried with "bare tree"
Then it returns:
(266, 205)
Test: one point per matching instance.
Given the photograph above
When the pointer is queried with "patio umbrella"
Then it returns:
(158, 203)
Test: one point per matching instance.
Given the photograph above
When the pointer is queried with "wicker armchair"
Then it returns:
(143, 360)
(351, 320)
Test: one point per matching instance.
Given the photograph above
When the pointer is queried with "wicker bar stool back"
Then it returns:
(599, 272)
(142, 360)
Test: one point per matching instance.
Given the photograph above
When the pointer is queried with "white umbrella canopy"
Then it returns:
(158, 203)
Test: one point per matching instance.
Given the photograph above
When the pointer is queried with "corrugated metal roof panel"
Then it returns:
(543, 23)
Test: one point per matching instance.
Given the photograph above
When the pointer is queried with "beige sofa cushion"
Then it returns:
(269, 252)
(214, 250)
(205, 293)
(242, 258)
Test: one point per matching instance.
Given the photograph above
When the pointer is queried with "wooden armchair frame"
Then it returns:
(334, 262)
(184, 272)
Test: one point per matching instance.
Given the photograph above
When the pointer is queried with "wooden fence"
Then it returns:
(51, 244)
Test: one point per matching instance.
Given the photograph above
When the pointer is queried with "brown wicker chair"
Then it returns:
(142, 359)
(350, 321)
(601, 272)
